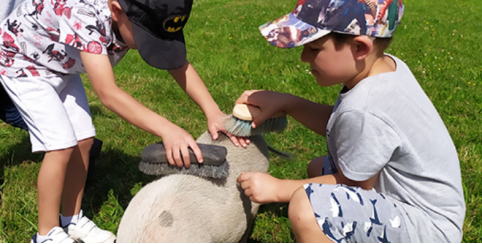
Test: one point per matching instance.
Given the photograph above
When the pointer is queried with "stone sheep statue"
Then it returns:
(187, 208)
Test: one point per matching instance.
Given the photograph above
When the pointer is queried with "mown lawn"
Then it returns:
(439, 40)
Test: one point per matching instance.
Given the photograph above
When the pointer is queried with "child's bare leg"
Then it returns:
(75, 178)
(50, 185)
(302, 219)
(315, 167)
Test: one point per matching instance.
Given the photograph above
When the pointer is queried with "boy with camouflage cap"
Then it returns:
(392, 173)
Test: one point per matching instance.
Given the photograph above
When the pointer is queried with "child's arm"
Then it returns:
(175, 139)
(189, 80)
(264, 188)
(312, 115)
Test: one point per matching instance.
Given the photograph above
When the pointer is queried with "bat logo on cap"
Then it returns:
(175, 23)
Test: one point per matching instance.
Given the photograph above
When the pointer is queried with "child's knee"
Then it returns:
(86, 144)
(315, 167)
(59, 156)
(300, 212)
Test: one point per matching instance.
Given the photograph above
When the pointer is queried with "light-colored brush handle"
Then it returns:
(249, 112)
(245, 112)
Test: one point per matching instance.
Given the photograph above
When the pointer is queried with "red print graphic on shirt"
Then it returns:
(9, 42)
(14, 27)
(28, 59)
(33, 71)
(39, 41)
(39, 7)
(60, 9)
(77, 25)
(8, 57)
(99, 27)
(74, 39)
(54, 34)
(94, 47)
(21, 73)
(69, 64)
(53, 54)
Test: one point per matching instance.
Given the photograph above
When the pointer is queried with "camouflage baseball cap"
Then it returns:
(312, 19)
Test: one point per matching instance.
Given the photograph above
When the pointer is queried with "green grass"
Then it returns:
(439, 40)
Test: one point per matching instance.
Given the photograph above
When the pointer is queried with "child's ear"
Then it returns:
(363, 46)
(116, 10)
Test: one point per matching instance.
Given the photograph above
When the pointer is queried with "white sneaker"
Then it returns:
(86, 231)
(55, 235)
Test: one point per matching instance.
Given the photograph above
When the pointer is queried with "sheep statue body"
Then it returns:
(187, 208)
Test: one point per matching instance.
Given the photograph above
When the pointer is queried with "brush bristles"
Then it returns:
(198, 169)
(243, 128)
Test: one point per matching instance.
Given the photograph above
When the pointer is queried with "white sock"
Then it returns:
(66, 220)
(41, 239)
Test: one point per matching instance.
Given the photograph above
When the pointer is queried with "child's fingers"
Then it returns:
(176, 153)
(245, 96)
(236, 140)
(243, 141)
(260, 119)
(197, 151)
(214, 133)
(248, 193)
(169, 156)
(185, 157)
(244, 176)
(233, 139)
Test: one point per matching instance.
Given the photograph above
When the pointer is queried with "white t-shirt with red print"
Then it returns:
(45, 37)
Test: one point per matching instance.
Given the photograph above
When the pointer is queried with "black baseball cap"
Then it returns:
(157, 27)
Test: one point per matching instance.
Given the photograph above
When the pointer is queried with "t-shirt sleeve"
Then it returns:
(84, 29)
(365, 143)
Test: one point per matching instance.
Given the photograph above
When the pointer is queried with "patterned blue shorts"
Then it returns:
(352, 214)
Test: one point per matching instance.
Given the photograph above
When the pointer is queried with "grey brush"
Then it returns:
(239, 123)
(154, 162)
(239, 127)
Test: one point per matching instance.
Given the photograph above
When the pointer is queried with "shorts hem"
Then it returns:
(54, 147)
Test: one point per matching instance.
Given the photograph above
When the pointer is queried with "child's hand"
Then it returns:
(176, 143)
(259, 187)
(216, 123)
(272, 104)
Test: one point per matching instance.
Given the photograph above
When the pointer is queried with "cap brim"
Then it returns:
(159, 53)
(289, 31)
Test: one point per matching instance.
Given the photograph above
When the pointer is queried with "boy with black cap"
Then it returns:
(392, 173)
(44, 47)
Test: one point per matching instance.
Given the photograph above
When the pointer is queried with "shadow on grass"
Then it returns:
(272, 225)
(16, 154)
(114, 172)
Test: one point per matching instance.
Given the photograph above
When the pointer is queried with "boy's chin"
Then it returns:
(324, 82)
(320, 81)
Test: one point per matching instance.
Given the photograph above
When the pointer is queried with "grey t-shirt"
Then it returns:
(387, 124)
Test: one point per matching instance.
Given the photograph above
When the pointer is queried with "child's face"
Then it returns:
(125, 29)
(329, 65)
(122, 24)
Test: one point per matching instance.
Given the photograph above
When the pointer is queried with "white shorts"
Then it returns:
(55, 109)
